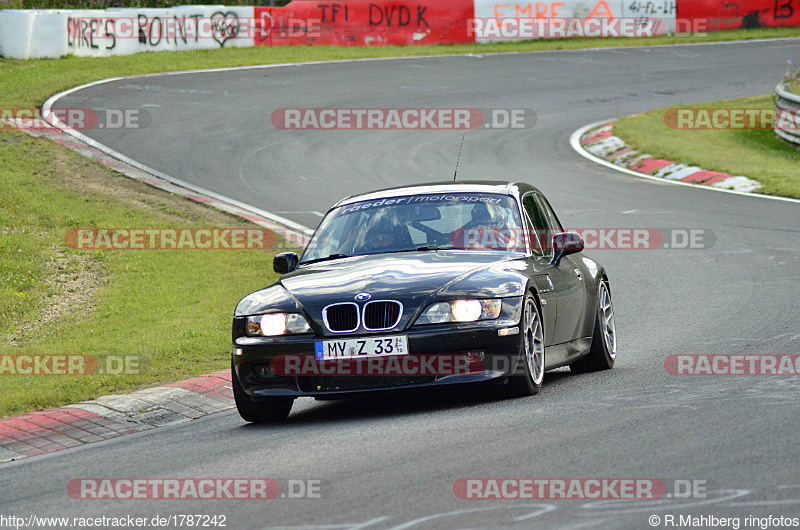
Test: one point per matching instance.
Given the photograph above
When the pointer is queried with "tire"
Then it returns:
(529, 373)
(262, 411)
(603, 351)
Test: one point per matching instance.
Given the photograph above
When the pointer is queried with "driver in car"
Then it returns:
(487, 229)
(387, 236)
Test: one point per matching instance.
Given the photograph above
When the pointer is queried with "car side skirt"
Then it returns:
(566, 353)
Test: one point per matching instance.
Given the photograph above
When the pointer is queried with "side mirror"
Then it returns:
(566, 243)
(286, 262)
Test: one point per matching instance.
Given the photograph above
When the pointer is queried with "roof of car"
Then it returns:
(468, 186)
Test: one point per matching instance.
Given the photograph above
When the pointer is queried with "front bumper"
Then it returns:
(477, 339)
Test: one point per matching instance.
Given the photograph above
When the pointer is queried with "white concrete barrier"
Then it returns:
(49, 34)
(28, 34)
(16, 28)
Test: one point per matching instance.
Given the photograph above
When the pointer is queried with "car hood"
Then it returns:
(415, 279)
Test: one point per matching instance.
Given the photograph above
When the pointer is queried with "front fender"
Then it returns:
(274, 298)
(501, 280)
(593, 274)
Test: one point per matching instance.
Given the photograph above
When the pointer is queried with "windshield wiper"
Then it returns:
(425, 248)
(326, 258)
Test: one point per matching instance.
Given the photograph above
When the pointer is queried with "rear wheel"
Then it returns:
(604, 340)
(262, 411)
(529, 374)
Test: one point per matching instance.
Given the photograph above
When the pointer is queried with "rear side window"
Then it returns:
(539, 221)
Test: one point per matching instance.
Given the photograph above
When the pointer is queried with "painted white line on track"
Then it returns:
(764, 503)
(537, 510)
(51, 118)
(608, 507)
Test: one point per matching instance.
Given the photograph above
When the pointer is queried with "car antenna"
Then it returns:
(458, 159)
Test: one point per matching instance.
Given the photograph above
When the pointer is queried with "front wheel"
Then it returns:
(603, 351)
(264, 411)
(529, 374)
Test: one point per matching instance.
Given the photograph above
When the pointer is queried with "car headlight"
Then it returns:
(274, 324)
(461, 311)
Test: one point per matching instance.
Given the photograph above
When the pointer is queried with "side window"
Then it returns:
(537, 218)
(549, 215)
(534, 212)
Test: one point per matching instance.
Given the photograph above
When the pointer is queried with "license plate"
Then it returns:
(361, 347)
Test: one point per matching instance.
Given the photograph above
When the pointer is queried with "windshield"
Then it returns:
(475, 221)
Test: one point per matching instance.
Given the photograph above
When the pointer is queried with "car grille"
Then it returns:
(332, 383)
(341, 318)
(382, 315)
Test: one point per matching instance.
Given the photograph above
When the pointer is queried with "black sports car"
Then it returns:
(436, 284)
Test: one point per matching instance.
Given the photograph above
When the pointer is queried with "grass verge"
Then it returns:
(168, 310)
(757, 154)
(171, 308)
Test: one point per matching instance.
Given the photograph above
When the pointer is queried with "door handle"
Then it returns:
(578, 274)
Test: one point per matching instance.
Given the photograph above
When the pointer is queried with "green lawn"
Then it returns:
(170, 308)
(757, 154)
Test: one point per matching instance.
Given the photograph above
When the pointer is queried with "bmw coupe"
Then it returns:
(423, 286)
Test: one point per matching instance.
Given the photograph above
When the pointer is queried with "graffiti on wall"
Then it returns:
(184, 30)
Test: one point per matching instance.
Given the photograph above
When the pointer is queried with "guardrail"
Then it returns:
(788, 105)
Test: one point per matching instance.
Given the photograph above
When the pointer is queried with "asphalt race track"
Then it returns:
(392, 462)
